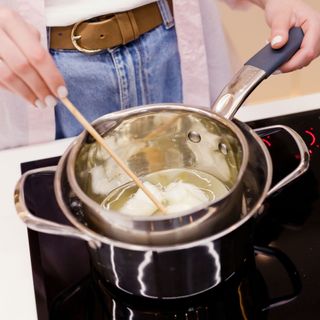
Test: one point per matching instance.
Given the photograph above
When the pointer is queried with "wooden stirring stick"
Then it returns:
(102, 142)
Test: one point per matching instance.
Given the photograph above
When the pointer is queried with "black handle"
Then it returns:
(270, 60)
(291, 271)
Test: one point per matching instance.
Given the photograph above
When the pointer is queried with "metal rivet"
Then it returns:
(223, 148)
(194, 136)
(260, 210)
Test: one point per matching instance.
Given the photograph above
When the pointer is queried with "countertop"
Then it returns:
(17, 299)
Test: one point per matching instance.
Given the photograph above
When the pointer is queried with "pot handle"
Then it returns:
(291, 271)
(304, 157)
(39, 224)
(254, 71)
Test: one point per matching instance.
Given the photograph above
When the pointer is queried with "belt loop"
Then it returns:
(166, 14)
(127, 26)
(135, 28)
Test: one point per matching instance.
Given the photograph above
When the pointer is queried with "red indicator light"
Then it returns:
(268, 143)
(312, 137)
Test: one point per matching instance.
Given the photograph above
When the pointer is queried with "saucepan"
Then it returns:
(186, 253)
(176, 270)
(164, 138)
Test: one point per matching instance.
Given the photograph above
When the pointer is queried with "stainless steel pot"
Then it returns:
(170, 270)
(176, 270)
(161, 137)
(153, 138)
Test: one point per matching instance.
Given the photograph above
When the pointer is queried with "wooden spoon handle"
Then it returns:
(75, 112)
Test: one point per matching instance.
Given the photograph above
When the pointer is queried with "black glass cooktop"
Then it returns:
(282, 281)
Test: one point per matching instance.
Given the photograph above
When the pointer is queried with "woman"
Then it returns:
(150, 67)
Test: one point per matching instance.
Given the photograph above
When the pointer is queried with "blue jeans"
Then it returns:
(144, 71)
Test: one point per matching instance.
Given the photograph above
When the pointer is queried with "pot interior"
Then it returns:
(175, 143)
(256, 183)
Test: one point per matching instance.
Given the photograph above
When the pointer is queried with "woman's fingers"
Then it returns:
(28, 68)
(16, 65)
(284, 14)
(38, 57)
(9, 80)
(310, 48)
(280, 25)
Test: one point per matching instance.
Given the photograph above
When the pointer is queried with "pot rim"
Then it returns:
(141, 110)
(99, 239)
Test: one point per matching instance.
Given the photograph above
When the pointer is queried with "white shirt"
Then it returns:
(67, 12)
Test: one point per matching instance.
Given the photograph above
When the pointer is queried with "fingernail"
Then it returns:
(276, 40)
(50, 101)
(62, 92)
(277, 72)
(39, 104)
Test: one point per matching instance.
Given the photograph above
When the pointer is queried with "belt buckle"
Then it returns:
(75, 38)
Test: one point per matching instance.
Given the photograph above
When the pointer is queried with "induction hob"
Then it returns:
(281, 283)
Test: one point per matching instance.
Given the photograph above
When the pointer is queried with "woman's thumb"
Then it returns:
(280, 26)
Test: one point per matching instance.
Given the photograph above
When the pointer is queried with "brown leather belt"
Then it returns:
(106, 32)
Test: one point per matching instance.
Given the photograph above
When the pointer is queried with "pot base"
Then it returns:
(242, 296)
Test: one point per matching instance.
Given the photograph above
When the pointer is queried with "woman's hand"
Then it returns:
(281, 15)
(26, 68)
